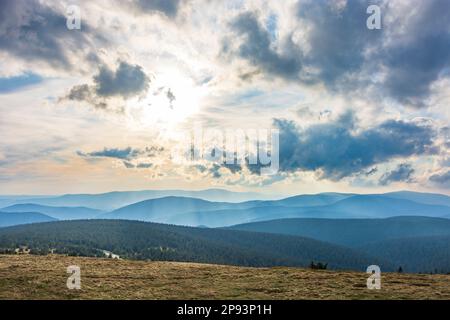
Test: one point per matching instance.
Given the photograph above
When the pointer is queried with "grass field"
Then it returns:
(44, 277)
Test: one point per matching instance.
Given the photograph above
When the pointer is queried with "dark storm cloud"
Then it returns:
(403, 173)
(340, 52)
(422, 55)
(334, 151)
(30, 30)
(127, 80)
(256, 48)
(337, 39)
(167, 7)
(441, 179)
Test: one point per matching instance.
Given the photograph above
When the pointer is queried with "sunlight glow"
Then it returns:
(173, 97)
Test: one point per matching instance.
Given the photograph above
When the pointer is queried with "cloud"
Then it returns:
(371, 172)
(333, 49)
(403, 173)
(33, 31)
(126, 81)
(86, 93)
(339, 149)
(167, 7)
(123, 153)
(336, 39)
(329, 44)
(116, 153)
(442, 179)
(142, 165)
(420, 54)
(256, 48)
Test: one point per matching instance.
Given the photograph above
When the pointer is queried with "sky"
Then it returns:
(107, 106)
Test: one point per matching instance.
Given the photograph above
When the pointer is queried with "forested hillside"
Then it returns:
(353, 232)
(415, 254)
(140, 240)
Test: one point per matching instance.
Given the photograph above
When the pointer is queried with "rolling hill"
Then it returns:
(353, 232)
(162, 209)
(378, 206)
(140, 240)
(60, 213)
(418, 244)
(303, 200)
(196, 212)
(16, 218)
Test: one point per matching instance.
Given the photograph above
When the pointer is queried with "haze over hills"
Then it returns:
(161, 209)
(302, 200)
(60, 213)
(141, 240)
(113, 200)
(16, 218)
(195, 212)
(199, 212)
(116, 199)
(426, 198)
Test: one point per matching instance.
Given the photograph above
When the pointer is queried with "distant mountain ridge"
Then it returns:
(60, 213)
(8, 219)
(190, 211)
(425, 198)
(116, 199)
(195, 212)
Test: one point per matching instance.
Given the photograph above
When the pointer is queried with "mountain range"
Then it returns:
(116, 199)
(196, 212)
(60, 213)
(407, 229)
(190, 211)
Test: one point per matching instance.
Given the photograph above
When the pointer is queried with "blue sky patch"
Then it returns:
(16, 83)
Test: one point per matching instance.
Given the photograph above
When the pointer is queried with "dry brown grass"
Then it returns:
(44, 277)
